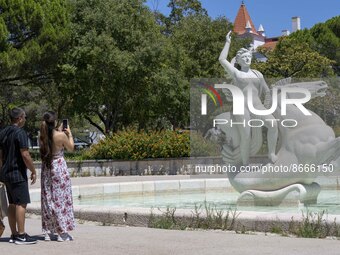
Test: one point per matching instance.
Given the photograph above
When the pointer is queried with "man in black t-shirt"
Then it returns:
(14, 161)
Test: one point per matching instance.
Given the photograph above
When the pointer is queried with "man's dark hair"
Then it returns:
(15, 113)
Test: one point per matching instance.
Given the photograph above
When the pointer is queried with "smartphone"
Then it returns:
(65, 124)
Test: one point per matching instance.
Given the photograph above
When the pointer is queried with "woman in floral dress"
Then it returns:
(56, 189)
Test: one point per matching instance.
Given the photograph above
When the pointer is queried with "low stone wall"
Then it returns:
(142, 188)
(141, 217)
(140, 167)
(172, 166)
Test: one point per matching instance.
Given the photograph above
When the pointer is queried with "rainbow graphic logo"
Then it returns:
(211, 92)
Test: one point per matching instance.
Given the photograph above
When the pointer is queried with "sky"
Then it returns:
(274, 15)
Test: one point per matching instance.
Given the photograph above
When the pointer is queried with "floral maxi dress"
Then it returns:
(56, 197)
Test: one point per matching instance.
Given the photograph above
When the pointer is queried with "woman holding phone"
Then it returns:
(56, 189)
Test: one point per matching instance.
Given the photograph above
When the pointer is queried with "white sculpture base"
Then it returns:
(295, 193)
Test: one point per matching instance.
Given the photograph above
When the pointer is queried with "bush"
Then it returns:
(134, 145)
(201, 147)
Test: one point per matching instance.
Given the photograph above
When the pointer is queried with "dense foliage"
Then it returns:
(34, 36)
(293, 58)
(133, 145)
(313, 54)
(116, 63)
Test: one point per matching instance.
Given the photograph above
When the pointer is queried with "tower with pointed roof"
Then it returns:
(244, 27)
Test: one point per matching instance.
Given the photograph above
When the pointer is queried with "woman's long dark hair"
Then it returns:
(46, 138)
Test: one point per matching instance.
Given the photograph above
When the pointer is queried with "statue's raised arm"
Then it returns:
(230, 69)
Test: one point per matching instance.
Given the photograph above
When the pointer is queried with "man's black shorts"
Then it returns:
(18, 193)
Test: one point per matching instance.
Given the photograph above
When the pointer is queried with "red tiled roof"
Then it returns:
(269, 45)
(241, 21)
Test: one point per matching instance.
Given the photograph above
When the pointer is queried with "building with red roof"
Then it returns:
(244, 28)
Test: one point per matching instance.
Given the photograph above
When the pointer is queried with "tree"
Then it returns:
(185, 8)
(327, 43)
(323, 38)
(196, 42)
(334, 25)
(32, 36)
(124, 69)
(292, 58)
(118, 51)
(178, 11)
(201, 39)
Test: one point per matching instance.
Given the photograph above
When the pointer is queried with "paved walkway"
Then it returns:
(93, 239)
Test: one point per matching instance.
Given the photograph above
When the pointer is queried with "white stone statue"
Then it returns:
(248, 78)
(311, 143)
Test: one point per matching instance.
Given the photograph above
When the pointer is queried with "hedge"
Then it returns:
(134, 145)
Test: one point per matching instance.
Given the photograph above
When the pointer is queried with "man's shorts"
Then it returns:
(18, 193)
